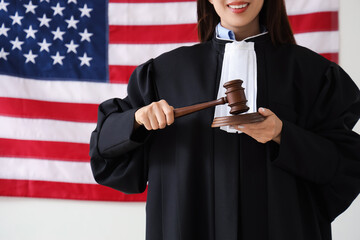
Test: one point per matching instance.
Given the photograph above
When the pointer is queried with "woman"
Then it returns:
(285, 178)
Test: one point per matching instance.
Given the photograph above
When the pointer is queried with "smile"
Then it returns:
(238, 6)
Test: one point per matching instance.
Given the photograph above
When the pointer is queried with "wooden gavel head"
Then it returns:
(235, 96)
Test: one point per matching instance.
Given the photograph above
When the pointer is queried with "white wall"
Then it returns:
(37, 219)
(346, 226)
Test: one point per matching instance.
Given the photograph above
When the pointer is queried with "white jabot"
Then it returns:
(239, 63)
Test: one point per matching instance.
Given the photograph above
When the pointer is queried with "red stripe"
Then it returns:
(314, 22)
(43, 189)
(44, 150)
(120, 74)
(151, 34)
(334, 57)
(148, 1)
(180, 33)
(77, 112)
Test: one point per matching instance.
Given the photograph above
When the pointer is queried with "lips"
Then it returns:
(238, 7)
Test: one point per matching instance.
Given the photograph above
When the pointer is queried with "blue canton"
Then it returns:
(54, 40)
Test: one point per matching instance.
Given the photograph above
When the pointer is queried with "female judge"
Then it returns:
(287, 177)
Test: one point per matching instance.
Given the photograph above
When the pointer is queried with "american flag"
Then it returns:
(59, 59)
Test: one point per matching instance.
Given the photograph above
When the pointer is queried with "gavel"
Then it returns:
(235, 97)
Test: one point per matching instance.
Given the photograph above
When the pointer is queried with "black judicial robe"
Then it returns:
(207, 184)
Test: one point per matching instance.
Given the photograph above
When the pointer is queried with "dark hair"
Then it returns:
(272, 15)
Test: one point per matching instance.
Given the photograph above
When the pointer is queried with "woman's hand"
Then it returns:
(155, 115)
(269, 129)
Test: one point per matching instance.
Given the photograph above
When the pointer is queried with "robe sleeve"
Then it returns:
(118, 159)
(327, 152)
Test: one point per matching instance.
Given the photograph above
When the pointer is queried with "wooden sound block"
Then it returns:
(237, 119)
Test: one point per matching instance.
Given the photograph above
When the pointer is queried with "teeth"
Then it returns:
(238, 6)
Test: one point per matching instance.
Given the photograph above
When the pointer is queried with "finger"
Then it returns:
(153, 122)
(254, 126)
(144, 120)
(168, 111)
(141, 118)
(150, 115)
(160, 117)
(239, 127)
(257, 134)
(161, 111)
(265, 112)
(158, 111)
(138, 122)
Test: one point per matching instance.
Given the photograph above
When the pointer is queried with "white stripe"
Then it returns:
(45, 130)
(320, 42)
(152, 13)
(135, 54)
(296, 7)
(45, 170)
(185, 12)
(59, 91)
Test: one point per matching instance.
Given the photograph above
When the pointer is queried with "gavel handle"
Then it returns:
(179, 112)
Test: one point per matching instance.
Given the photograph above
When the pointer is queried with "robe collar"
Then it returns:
(261, 38)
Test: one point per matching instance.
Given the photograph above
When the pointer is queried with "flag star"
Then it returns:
(4, 30)
(30, 32)
(3, 54)
(30, 57)
(85, 35)
(3, 5)
(70, 1)
(85, 11)
(57, 59)
(44, 21)
(72, 22)
(16, 19)
(58, 10)
(30, 7)
(45, 1)
(58, 34)
(44, 46)
(85, 60)
(72, 47)
(16, 44)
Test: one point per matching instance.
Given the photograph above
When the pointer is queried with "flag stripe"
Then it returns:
(152, 13)
(182, 33)
(148, 1)
(42, 170)
(296, 7)
(292, 6)
(320, 42)
(27, 108)
(320, 21)
(155, 34)
(59, 91)
(62, 151)
(136, 54)
(45, 130)
(45, 189)
(331, 56)
(184, 12)
(120, 74)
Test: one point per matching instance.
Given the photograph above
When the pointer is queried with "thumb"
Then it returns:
(265, 112)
